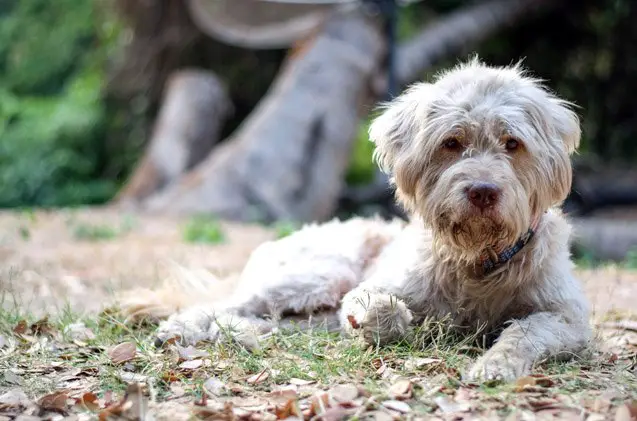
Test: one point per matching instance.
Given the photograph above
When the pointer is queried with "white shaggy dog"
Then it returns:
(479, 158)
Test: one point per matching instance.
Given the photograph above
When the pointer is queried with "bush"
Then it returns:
(53, 58)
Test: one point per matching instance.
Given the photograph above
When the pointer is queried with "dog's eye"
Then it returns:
(452, 144)
(512, 144)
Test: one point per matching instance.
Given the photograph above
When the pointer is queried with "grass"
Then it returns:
(89, 231)
(75, 354)
(203, 229)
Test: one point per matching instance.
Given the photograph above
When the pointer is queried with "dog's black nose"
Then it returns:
(483, 195)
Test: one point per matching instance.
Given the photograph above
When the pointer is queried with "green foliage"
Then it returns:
(204, 229)
(52, 114)
(361, 167)
(285, 228)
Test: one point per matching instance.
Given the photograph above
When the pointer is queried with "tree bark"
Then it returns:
(288, 159)
(193, 112)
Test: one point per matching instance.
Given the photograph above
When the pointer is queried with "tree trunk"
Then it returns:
(193, 111)
(461, 29)
(288, 159)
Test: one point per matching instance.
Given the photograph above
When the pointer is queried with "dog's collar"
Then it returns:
(492, 259)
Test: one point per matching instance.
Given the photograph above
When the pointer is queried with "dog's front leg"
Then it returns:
(525, 342)
(374, 310)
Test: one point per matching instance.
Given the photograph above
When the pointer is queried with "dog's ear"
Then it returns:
(399, 124)
(567, 124)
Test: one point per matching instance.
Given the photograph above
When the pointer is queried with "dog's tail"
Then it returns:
(182, 288)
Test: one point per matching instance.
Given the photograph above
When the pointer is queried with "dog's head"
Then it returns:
(478, 153)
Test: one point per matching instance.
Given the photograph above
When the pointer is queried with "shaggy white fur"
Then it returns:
(477, 157)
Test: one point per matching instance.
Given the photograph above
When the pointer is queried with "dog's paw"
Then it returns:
(197, 325)
(187, 328)
(378, 318)
(498, 366)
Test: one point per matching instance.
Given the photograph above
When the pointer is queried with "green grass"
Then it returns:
(203, 229)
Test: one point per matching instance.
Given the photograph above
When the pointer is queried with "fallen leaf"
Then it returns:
(42, 327)
(258, 378)
(191, 364)
(89, 401)
(214, 414)
(524, 382)
(397, 406)
(336, 413)
(132, 406)
(13, 397)
(129, 377)
(21, 327)
(123, 352)
(447, 406)
(79, 332)
(190, 353)
(12, 377)
(283, 394)
(401, 390)
(55, 402)
(290, 409)
(215, 387)
(319, 403)
(170, 376)
(417, 363)
(344, 392)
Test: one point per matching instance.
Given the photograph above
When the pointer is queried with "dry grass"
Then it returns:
(85, 364)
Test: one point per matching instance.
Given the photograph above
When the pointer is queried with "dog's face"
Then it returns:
(478, 153)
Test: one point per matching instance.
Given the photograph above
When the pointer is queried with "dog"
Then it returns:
(480, 160)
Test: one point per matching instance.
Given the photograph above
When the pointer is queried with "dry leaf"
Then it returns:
(214, 414)
(89, 401)
(258, 378)
(344, 392)
(55, 402)
(290, 409)
(319, 403)
(284, 394)
(79, 332)
(401, 390)
(524, 382)
(190, 353)
(123, 352)
(132, 406)
(215, 387)
(12, 377)
(191, 365)
(397, 406)
(336, 413)
(42, 327)
(21, 327)
(416, 363)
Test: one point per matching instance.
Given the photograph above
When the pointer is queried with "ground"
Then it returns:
(85, 363)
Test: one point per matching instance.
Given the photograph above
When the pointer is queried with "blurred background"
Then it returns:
(257, 111)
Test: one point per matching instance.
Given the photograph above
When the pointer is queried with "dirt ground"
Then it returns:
(48, 260)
